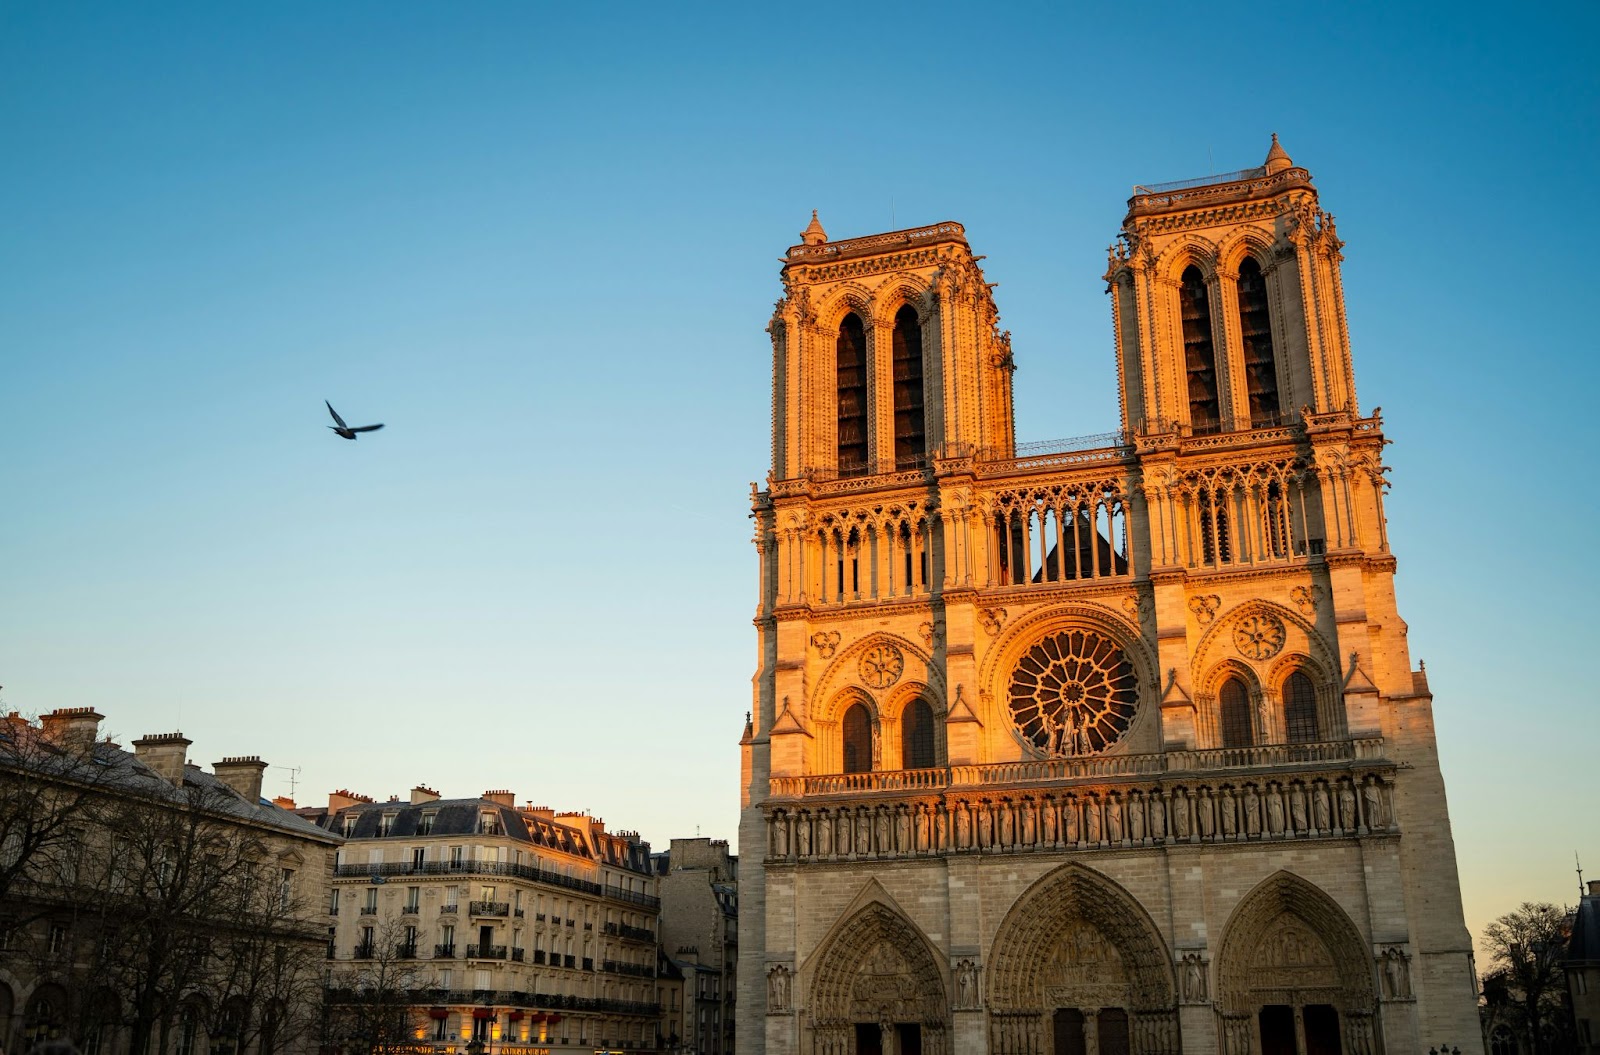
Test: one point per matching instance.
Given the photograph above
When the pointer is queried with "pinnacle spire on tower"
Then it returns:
(1277, 157)
(813, 234)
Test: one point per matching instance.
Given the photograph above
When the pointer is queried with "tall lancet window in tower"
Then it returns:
(852, 369)
(857, 729)
(1300, 709)
(910, 432)
(1199, 354)
(916, 736)
(1255, 326)
(1234, 703)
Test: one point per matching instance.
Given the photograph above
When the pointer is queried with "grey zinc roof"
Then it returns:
(1584, 946)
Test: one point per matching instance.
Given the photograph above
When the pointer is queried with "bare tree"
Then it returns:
(51, 791)
(373, 1001)
(1525, 980)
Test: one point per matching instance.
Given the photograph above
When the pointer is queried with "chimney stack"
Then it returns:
(338, 800)
(1594, 888)
(242, 774)
(165, 753)
(501, 798)
(422, 793)
(72, 728)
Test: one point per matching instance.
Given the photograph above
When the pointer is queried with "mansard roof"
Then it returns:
(1584, 946)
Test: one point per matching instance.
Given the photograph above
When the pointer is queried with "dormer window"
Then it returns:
(425, 822)
(386, 823)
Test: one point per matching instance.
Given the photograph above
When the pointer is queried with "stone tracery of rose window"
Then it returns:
(1073, 693)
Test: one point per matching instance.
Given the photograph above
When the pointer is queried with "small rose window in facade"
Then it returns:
(1073, 693)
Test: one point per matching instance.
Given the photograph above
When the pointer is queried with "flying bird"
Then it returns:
(345, 430)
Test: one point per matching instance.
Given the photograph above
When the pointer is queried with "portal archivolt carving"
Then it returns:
(877, 968)
(1290, 943)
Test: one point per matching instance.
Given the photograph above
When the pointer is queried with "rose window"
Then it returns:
(1073, 693)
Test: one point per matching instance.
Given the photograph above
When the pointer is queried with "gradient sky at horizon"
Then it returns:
(541, 244)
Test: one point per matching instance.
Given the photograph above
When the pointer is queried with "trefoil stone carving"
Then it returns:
(826, 642)
(994, 620)
(1204, 607)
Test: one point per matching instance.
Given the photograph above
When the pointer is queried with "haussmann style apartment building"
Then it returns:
(515, 927)
(1099, 747)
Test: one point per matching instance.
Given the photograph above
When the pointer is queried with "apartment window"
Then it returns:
(349, 825)
(58, 937)
(371, 905)
(413, 898)
(488, 823)
(386, 823)
(447, 937)
(455, 856)
(285, 889)
(481, 981)
(333, 902)
(418, 855)
(425, 822)
(441, 1026)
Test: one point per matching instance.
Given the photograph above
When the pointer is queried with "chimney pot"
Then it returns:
(165, 753)
(243, 774)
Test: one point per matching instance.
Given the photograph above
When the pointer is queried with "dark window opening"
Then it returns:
(851, 363)
(1199, 354)
(916, 736)
(1300, 709)
(910, 428)
(1235, 706)
(857, 739)
(1255, 328)
(1215, 545)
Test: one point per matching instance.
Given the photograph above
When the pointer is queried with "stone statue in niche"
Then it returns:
(863, 834)
(1091, 820)
(1252, 811)
(1114, 819)
(885, 838)
(1136, 818)
(1047, 823)
(803, 834)
(1274, 810)
(1070, 824)
(1180, 814)
(1297, 807)
(922, 828)
(941, 829)
(1396, 973)
(1194, 978)
(966, 984)
(1347, 806)
(1322, 807)
(902, 832)
(1206, 821)
(963, 827)
(1372, 802)
(780, 832)
(1226, 807)
(778, 988)
(1007, 825)
(1158, 816)
(1028, 834)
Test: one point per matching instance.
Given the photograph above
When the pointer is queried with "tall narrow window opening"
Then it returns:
(1255, 327)
(1199, 354)
(1300, 710)
(857, 739)
(916, 736)
(1234, 703)
(910, 429)
(851, 363)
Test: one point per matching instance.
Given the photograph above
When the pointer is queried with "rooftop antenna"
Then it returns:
(294, 778)
(697, 831)
(1579, 865)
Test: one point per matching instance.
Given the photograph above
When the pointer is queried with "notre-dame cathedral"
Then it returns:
(1112, 747)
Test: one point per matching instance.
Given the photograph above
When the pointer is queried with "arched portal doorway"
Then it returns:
(877, 989)
(1293, 976)
(1078, 968)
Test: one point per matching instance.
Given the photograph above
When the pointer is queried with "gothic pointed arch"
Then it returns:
(1289, 943)
(1077, 936)
(876, 966)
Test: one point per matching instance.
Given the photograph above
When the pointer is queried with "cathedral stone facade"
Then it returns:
(1099, 747)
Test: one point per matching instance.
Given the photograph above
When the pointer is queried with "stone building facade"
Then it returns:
(1092, 747)
(700, 930)
(1582, 966)
(146, 903)
(513, 926)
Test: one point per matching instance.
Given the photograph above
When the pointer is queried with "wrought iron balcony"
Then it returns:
(489, 908)
(362, 952)
(445, 952)
(406, 951)
(369, 910)
(448, 910)
(486, 952)
(517, 955)
(410, 910)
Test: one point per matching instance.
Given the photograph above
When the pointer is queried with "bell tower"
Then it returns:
(1227, 302)
(885, 353)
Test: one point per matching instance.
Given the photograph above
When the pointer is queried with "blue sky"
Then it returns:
(541, 244)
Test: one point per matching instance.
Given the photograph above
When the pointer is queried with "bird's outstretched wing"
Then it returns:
(335, 414)
(368, 428)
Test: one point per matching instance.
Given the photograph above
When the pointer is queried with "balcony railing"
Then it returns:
(369, 910)
(496, 868)
(517, 955)
(405, 951)
(489, 908)
(1096, 767)
(410, 910)
(636, 970)
(538, 956)
(569, 961)
(501, 998)
(444, 952)
(588, 964)
(627, 933)
(448, 910)
(362, 952)
(486, 952)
